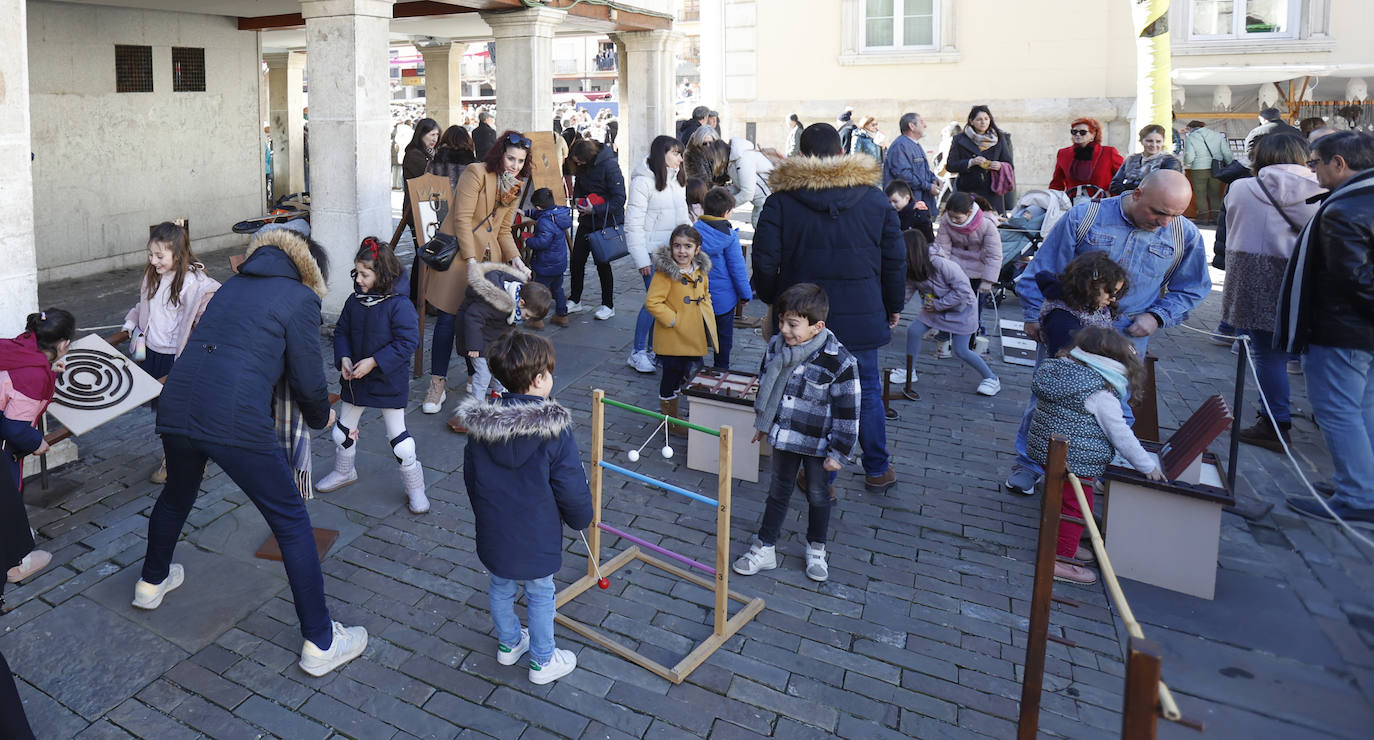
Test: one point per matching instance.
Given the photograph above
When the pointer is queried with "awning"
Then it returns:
(1261, 73)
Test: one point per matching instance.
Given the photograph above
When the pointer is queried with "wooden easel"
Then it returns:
(723, 625)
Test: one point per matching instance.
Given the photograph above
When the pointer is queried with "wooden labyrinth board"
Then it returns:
(1017, 348)
(98, 384)
(724, 385)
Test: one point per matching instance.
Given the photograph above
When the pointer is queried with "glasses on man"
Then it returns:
(1079, 132)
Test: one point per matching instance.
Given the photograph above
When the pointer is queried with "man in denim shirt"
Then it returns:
(1134, 229)
(906, 161)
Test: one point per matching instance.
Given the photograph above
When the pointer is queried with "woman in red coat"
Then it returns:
(1087, 162)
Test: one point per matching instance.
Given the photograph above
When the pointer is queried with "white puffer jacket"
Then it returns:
(651, 214)
(749, 171)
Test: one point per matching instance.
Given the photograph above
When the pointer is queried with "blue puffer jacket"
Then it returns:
(548, 246)
(262, 325)
(828, 223)
(729, 278)
(385, 328)
(604, 178)
(525, 480)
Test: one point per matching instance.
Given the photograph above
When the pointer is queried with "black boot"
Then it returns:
(1263, 434)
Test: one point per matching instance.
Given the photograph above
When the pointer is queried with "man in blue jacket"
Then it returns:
(1145, 232)
(906, 161)
(828, 223)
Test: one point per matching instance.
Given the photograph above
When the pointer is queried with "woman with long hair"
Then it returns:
(483, 208)
(657, 204)
(978, 151)
(599, 193)
(419, 153)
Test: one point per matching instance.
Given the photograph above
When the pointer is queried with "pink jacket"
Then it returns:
(976, 246)
(196, 291)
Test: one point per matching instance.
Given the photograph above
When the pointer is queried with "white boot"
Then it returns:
(414, 478)
(343, 473)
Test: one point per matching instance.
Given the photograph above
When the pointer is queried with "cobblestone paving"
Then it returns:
(919, 632)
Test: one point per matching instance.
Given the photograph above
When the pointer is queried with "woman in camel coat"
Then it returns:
(484, 205)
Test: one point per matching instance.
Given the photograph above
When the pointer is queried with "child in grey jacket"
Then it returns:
(808, 405)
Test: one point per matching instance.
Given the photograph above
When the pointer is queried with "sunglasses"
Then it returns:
(520, 141)
(1080, 132)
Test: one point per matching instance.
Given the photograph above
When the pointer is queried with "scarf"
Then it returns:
(1109, 369)
(293, 436)
(775, 374)
(371, 299)
(984, 141)
(967, 227)
(508, 188)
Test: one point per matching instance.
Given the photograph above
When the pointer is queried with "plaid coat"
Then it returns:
(819, 411)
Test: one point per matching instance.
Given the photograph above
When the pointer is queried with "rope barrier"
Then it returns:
(658, 483)
(1168, 707)
(1245, 341)
(662, 417)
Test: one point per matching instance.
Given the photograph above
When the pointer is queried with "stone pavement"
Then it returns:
(919, 632)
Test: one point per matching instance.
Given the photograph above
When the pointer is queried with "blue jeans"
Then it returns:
(725, 336)
(872, 417)
(958, 342)
(267, 478)
(1271, 365)
(1023, 460)
(539, 613)
(644, 323)
(1340, 385)
(785, 465)
(555, 285)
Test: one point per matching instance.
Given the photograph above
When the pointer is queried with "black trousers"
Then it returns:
(13, 724)
(582, 249)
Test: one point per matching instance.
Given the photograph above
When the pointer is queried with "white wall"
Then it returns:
(108, 165)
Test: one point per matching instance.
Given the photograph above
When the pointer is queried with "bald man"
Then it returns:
(1139, 230)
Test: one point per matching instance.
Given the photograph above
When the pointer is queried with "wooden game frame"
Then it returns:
(723, 625)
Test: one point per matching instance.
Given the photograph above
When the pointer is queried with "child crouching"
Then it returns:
(808, 405)
(525, 479)
(679, 299)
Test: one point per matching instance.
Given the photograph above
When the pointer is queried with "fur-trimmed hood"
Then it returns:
(827, 184)
(515, 426)
(296, 248)
(488, 280)
(820, 173)
(663, 262)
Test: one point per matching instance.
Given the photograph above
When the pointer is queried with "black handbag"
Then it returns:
(438, 253)
(608, 244)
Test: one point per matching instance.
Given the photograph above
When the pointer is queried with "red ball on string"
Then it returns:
(603, 583)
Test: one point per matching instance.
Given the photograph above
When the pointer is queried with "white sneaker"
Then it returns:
(816, 568)
(641, 361)
(561, 664)
(944, 350)
(989, 387)
(148, 596)
(510, 654)
(574, 307)
(898, 375)
(760, 557)
(349, 643)
(603, 313)
(434, 396)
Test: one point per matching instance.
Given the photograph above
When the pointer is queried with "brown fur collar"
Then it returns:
(819, 173)
(663, 262)
(489, 291)
(298, 249)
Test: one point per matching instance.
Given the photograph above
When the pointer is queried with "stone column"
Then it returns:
(18, 257)
(350, 130)
(647, 91)
(524, 67)
(286, 102)
(443, 82)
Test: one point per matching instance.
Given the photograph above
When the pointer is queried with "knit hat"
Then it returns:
(846, 115)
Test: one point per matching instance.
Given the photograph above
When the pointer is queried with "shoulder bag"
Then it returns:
(608, 243)
(1292, 224)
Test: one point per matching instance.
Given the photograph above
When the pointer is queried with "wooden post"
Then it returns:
(722, 610)
(1140, 710)
(1033, 677)
(598, 440)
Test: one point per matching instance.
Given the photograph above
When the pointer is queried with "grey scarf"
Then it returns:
(775, 375)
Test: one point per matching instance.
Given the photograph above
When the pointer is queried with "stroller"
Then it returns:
(1029, 222)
